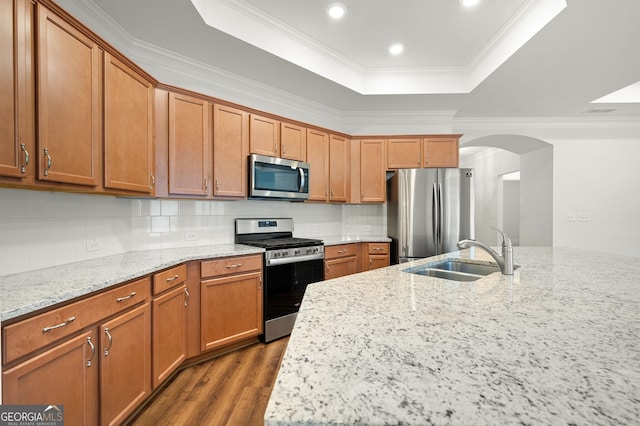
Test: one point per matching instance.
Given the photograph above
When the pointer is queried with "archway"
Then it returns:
(492, 157)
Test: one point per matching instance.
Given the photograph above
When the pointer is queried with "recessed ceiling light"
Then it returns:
(396, 48)
(469, 3)
(336, 10)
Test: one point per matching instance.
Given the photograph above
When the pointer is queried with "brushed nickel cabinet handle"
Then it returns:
(53, 327)
(173, 278)
(260, 282)
(23, 169)
(93, 352)
(122, 299)
(106, 351)
(153, 181)
(49, 162)
(217, 185)
(186, 297)
(284, 149)
(235, 265)
(206, 184)
(378, 248)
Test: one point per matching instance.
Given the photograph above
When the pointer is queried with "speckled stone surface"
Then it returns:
(27, 292)
(558, 343)
(334, 240)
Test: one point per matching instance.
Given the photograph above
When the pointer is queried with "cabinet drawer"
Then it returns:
(36, 332)
(378, 248)
(168, 279)
(332, 252)
(230, 265)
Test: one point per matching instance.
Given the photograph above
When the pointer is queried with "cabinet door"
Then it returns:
(65, 375)
(264, 136)
(293, 142)
(404, 153)
(372, 171)
(169, 333)
(318, 159)
(378, 261)
(69, 102)
(188, 145)
(125, 365)
(230, 150)
(338, 168)
(441, 152)
(128, 128)
(16, 96)
(231, 309)
(335, 268)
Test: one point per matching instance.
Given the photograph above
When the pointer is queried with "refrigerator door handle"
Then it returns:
(440, 214)
(435, 210)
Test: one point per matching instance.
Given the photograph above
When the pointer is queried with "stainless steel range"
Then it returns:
(290, 264)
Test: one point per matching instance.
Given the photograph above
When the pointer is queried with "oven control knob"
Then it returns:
(296, 251)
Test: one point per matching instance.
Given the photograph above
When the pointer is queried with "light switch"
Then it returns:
(571, 217)
(583, 217)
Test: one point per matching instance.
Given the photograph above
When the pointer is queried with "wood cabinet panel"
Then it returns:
(378, 261)
(340, 267)
(69, 102)
(16, 90)
(373, 171)
(293, 142)
(125, 364)
(404, 153)
(128, 128)
(66, 374)
(189, 164)
(170, 278)
(230, 150)
(231, 309)
(169, 332)
(318, 159)
(339, 151)
(342, 250)
(230, 265)
(441, 152)
(264, 136)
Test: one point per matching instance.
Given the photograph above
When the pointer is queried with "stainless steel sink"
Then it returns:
(454, 270)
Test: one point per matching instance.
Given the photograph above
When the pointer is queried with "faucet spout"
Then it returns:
(505, 261)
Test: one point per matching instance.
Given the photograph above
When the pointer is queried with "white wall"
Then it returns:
(536, 201)
(511, 210)
(39, 229)
(595, 165)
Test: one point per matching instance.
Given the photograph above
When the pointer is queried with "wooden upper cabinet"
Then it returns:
(318, 159)
(372, 171)
(189, 165)
(339, 150)
(16, 90)
(230, 150)
(69, 102)
(128, 128)
(264, 136)
(404, 153)
(293, 142)
(441, 151)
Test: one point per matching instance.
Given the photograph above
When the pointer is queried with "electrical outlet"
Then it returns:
(583, 217)
(94, 244)
(571, 217)
(191, 236)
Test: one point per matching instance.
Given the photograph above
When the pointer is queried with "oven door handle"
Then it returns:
(295, 259)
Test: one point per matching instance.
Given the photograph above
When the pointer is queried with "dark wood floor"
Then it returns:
(230, 390)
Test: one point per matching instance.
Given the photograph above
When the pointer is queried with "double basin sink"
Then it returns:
(454, 270)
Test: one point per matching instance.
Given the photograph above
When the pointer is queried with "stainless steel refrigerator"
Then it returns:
(429, 211)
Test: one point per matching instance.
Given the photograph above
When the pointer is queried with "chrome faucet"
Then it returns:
(505, 261)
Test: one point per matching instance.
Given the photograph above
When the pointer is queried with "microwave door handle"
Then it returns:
(302, 180)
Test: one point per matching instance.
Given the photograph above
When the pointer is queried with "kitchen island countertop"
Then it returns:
(557, 343)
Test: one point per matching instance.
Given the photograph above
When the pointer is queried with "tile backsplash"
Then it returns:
(39, 229)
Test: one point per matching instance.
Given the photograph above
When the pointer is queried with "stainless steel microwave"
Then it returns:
(271, 177)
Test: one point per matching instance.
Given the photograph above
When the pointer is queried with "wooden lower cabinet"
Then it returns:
(169, 332)
(231, 309)
(125, 364)
(340, 260)
(66, 374)
(377, 256)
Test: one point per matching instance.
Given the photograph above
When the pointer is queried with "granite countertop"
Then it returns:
(556, 343)
(334, 240)
(28, 292)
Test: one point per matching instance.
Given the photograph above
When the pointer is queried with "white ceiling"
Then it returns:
(489, 61)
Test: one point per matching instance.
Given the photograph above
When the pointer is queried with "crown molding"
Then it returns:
(509, 123)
